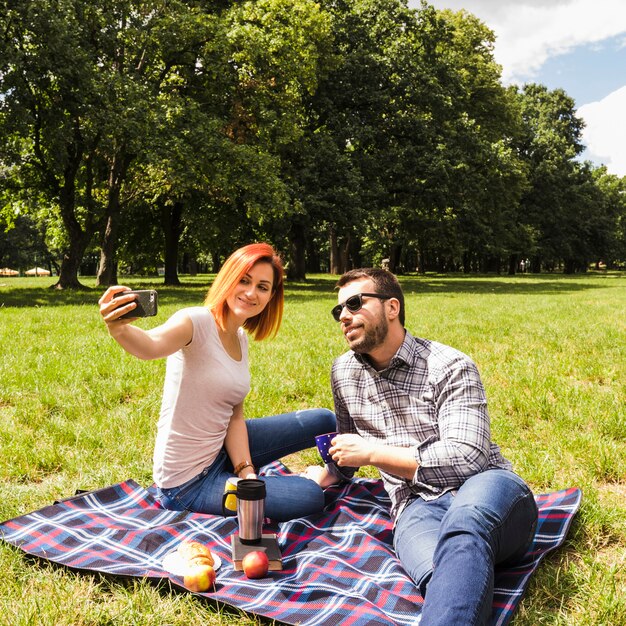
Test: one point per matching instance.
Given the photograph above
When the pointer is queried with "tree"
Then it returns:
(235, 106)
(486, 175)
(345, 132)
(359, 131)
(48, 81)
(144, 49)
(550, 144)
(608, 220)
(81, 83)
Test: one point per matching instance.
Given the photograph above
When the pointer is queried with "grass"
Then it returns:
(76, 412)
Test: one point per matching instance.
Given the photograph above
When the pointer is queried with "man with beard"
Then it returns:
(416, 410)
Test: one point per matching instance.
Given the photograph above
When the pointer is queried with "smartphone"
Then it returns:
(147, 303)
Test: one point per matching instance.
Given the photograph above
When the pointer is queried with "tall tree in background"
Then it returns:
(550, 145)
(408, 152)
(280, 50)
(49, 114)
(237, 112)
(93, 89)
(486, 175)
(82, 82)
(368, 129)
(608, 229)
(147, 59)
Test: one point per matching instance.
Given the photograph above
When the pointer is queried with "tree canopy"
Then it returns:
(164, 133)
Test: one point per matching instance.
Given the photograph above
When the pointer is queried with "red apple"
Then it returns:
(199, 578)
(255, 564)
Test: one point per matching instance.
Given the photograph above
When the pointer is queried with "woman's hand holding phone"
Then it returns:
(146, 303)
(121, 303)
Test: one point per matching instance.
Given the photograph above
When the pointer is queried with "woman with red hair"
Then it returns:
(202, 437)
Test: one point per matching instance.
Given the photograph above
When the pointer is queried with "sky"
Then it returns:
(576, 45)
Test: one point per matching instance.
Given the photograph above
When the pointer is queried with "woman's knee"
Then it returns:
(320, 421)
(290, 497)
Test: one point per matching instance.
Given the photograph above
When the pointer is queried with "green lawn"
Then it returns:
(76, 412)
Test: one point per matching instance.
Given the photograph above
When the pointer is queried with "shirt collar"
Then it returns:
(405, 351)
(404, 354)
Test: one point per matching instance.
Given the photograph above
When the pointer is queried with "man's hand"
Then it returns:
(352, 450)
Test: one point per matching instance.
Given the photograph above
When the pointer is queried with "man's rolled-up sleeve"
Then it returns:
(462, 448)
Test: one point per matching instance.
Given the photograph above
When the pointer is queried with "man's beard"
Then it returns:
(372, 337)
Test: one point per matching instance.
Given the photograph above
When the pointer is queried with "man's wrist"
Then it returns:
(376, 454)
(398, 460)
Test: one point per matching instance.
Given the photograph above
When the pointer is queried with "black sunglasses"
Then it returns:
(355, 303)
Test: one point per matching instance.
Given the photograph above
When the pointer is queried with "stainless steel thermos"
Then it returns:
(250, 494)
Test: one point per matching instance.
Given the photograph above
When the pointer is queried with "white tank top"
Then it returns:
(203, 383)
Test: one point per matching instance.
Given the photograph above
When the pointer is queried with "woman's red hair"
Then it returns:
(237, 265)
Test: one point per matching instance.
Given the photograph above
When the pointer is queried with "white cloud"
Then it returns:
(605, 133)
(530, 35)
(531, 31)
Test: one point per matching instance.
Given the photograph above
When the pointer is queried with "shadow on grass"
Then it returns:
(535, 284)
(111, 584)
(32, 296)
(192, 290)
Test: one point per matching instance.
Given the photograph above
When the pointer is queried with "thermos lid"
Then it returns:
(251, 489)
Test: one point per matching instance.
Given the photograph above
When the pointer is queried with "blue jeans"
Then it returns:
(450, 546)
(270, 439)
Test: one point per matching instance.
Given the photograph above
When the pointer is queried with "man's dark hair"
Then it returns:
(386, 283)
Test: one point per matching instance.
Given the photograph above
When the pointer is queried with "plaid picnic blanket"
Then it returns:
(339, 566)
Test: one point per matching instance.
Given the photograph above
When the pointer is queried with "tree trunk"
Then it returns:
(419, 261)
(68, 273)
(215, 262)
(313, 260)
(297, 252)
(535, 265)
(79, 238)
(569, 266)
(394, 258)
(107, 272)
(345, 255)
(467, 262)
(355, 252)
(334, 252)
(171, 221)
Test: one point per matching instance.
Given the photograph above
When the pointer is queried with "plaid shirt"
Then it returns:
(430, 398)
